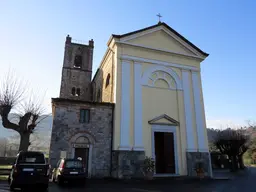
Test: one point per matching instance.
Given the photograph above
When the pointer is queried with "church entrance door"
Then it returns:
(82, 149)
(164, 153)
(82, 153)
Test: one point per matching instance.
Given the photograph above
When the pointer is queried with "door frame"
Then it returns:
(89, 158)
(167, 129)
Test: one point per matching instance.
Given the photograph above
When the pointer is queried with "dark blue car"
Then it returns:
(30, 169)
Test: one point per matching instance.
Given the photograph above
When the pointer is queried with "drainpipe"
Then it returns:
(111, 144)
(113, 106)
(112, 89)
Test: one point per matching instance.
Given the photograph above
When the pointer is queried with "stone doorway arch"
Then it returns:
(82, 146)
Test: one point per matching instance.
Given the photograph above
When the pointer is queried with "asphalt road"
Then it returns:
(114, 187)
(90, 188)
(243, 182)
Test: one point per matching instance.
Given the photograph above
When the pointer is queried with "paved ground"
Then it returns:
(113, 187)
(243, 181)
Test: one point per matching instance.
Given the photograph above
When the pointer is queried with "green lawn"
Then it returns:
(5, 166)
(3, 177)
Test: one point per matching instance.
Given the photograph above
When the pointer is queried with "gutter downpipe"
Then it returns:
(111, 144)
(113, 113)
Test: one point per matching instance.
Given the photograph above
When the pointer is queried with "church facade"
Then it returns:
(149, 93)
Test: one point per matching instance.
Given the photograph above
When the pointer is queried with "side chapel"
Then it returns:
(145, 100)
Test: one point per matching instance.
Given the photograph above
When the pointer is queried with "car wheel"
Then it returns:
(59, 181)
(83, 182)
(45, 188)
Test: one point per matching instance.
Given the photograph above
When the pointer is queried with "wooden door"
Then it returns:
(84, 154)
(164, 153)
(169, 153)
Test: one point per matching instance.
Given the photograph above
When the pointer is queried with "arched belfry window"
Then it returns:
(107, 80)
(78, 61)
(73, 91)
(78, 92)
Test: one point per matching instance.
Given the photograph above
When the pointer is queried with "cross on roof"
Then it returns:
(159, 17)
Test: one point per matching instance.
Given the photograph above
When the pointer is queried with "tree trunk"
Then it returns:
(232, 163)
(241, 162)
(24, 141)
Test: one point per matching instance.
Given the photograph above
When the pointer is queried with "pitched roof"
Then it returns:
(169, 28)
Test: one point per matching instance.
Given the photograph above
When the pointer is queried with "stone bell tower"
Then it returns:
(77, 71)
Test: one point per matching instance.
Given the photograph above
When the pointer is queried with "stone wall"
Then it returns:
(66, 126)
(74, 76)
(127, 164)
(193, 158)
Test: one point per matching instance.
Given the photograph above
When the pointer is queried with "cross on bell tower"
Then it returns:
(159, 17)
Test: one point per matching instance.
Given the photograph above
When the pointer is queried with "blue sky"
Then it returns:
(33, 34)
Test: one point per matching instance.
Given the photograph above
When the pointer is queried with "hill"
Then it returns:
(40, 139)
(44, 127)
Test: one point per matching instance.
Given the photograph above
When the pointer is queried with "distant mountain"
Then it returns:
(44, 128)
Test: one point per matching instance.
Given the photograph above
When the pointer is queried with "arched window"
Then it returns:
(78, 92)
(161, 79)
(73, 92)
(78, 61)
(160, 76)
(107, 80)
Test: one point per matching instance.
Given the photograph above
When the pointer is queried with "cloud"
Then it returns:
(224, 123)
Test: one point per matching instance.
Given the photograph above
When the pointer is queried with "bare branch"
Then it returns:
(28, 111)
(11, 93)
(233, 142)
(45, 116)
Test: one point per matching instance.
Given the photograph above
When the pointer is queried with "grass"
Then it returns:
(3, 177)
(5, 166)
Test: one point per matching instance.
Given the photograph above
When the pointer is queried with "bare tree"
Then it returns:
(233, 143)
(28, 109)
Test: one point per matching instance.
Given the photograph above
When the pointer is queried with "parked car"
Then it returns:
(69, 170)
(29, 169)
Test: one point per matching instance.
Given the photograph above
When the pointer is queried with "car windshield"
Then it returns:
(73, 164)
(29, 158)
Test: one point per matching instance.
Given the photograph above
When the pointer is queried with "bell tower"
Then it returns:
(77, 70)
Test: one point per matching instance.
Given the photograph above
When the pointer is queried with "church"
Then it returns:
(145, 100)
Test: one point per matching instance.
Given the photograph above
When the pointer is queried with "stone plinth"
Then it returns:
(193, 158)
(127, 164)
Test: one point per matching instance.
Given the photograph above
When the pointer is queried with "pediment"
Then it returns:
(164, 120)
(162, 41)
(161, 37)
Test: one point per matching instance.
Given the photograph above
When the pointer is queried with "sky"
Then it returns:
(33, 35)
